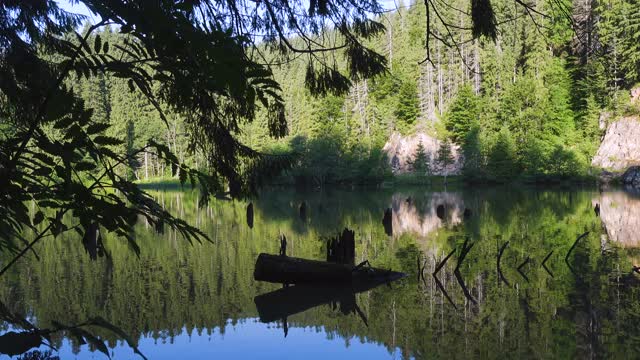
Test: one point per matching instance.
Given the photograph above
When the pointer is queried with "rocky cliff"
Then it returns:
(620, 147)
(402, 149)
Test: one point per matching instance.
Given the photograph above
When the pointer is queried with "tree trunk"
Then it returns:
(146, 165)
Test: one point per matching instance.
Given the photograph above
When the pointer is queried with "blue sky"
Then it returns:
(74, 7)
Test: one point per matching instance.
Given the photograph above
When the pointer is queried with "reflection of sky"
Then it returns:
(248, 339)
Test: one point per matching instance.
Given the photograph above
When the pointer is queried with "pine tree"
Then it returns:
(420, 162)
(444, 157)
(407, 109)
(502, 161)
(472, 149)
(462, 114)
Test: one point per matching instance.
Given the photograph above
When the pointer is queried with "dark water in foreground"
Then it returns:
(197, 301)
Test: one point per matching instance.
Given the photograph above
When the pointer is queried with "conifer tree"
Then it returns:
(502, 159)
(444, 157)
(420, 161)
(463, 113)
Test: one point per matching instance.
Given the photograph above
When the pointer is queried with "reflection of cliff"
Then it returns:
(620, 215)
(419, 216)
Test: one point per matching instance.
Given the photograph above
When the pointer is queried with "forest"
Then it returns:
(512, 105)
(228, 97)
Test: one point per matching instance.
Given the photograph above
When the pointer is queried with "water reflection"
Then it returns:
(288, 301)
(418, 215)
(620, 213)
(180, 300)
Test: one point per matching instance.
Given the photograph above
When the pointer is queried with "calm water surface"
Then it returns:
(180, 300)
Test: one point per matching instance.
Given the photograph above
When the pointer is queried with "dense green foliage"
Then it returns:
(513, 105)
(524, 107)
(83, 114)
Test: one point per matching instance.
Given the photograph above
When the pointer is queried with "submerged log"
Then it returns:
(290, 270)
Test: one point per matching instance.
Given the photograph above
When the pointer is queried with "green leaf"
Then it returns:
(91, 339)
(83, 43)
(37, 219)
(48, 204)
(46, 159)
(42, 171)
(107, 140)
(63, 123)
(85, 166)
(97, 128)
(130, 240)
(98, 321)
(183, 175)
(97, 44)
(15, 343)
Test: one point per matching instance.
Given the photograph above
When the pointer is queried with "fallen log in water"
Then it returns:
(290, 270)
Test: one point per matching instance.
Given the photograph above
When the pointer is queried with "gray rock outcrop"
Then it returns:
(401, 150)
(620, 147)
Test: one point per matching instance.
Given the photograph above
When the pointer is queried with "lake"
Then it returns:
(547, 297)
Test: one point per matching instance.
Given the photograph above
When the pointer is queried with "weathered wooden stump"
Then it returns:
(342, 248)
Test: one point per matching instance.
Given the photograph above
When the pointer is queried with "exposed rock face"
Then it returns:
(620, 214)
(632, 176)
(635, 95)
(603, 120)
(620, 147)
(401, 150)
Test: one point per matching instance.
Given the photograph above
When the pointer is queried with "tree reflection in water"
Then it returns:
(202, 289)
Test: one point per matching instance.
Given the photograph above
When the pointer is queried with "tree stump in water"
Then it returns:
(303, 211)
(342, 248)
(250, 215)
(283, 245)
(387, 222)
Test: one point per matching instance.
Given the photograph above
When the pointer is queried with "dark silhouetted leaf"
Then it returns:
(107, 140)
(16, 343)
(37, 218)
(97, 128)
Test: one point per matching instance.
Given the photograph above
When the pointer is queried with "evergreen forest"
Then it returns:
(525, 106)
